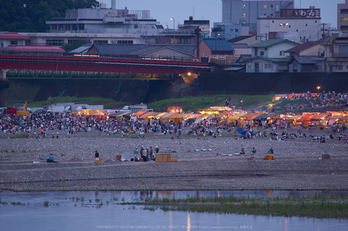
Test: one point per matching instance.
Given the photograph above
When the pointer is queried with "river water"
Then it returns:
(92, 210)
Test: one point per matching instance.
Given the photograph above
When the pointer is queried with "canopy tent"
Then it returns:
(158, 116)
(90, 113)
(233, 118)
(305, 117)
(220, 108)
(343, 119)
(264, 116)
(128, 114)
(334, 119)
(209, 111)
(166, 116)
(293, 118)
(148, 115)
(249, 116)
(139, 113)
(118, 115)
(320, 116)
(179, 118)
(193, 118)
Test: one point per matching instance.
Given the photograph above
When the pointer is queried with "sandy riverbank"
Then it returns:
(297, 165)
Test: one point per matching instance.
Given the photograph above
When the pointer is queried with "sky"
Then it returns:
(181, 10)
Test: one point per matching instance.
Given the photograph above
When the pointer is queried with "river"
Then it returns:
(101, 210)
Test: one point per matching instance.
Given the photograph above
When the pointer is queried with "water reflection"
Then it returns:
(66, 212)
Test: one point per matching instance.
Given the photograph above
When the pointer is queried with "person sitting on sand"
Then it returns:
(51, 159)
(253, 151)
(270, 151)
(242, 152)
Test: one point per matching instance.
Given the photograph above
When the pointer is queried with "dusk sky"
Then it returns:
(211, 10)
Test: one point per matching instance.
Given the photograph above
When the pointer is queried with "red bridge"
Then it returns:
(99, 64)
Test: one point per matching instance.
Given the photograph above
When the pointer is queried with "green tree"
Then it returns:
(31, 15)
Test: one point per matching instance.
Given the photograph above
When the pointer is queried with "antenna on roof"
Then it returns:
(193, 13)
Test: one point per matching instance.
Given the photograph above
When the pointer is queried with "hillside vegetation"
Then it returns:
(246, 102)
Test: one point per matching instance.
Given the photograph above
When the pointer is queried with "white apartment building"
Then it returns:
(297, 25)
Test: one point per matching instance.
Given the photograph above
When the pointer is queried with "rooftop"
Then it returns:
(272, 42)
(8, 35)
(221, 44)
(303, 46)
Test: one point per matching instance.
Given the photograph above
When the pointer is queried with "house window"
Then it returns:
(55, 42)
(268, 66)
(235, 30)
(100, 41)
(243, 6)
(271, 6)
(125, 42)
(243, 15)
(262, 53)
(306, 24)
(14, 42)
(265, 6)
(272, 21)
(281, 53)
(340, 67)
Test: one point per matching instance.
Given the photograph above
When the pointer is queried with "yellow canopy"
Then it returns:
(233, 118)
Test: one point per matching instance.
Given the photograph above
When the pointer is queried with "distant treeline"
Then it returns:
(31, 15)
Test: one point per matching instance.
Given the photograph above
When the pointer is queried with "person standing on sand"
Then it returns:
(253, 152)
(96, 155)
(151, 153)
(136, 152)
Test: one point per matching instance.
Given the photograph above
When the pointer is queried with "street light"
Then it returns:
(284, 24)
(318, 87)
(173, 19)
(216, 41)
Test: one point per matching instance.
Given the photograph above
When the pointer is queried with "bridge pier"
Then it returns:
(3, 74)
(3, 85)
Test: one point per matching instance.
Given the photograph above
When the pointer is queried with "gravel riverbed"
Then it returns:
(203, 163)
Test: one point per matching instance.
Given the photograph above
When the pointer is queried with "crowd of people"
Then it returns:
(316, 100)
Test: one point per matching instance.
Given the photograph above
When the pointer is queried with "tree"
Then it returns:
(31, 15)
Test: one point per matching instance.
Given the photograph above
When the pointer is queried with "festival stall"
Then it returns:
(119, 115)
(89, 113)
(320, 120)
(247, 119)
(343, 120)
(305, 120)
(334, 119)
(147, 116)
(174, 109)
(234, 118)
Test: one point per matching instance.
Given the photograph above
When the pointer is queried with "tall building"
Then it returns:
(342, 17)
(246, 12)
(203, 25)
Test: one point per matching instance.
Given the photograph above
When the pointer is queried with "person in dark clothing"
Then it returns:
(96, 155)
